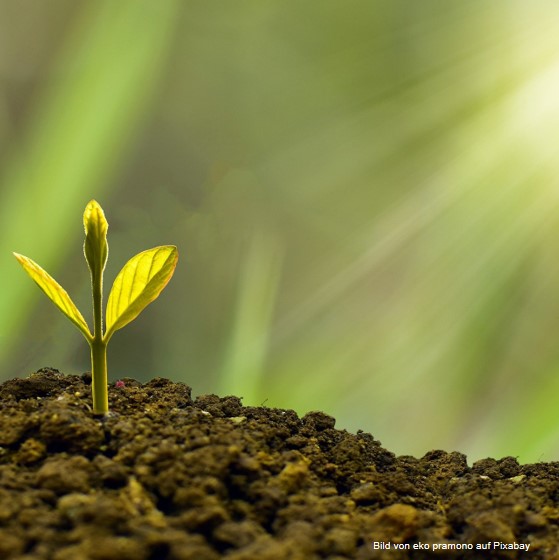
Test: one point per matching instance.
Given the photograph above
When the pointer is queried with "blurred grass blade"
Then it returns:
(139, 283)
(56, 293)
(258, 286)
(84, 121)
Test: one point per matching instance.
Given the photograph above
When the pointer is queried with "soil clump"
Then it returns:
(167, 477)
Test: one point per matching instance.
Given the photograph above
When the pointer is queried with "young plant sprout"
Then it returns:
(139, 283)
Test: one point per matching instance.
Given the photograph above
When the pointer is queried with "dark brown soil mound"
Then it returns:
(167, 477)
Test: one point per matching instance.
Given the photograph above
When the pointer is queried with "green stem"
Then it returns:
(99, 377)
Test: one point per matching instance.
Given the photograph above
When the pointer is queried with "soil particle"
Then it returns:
(167, 477)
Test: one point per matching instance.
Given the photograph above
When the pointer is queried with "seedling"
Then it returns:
(139, 283)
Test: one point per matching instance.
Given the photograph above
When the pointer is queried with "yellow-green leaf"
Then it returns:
(138, 284)
(95, 246)
(55, 292)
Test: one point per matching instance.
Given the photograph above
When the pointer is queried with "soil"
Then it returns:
(167, 477)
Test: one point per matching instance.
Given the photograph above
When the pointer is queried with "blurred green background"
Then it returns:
(365, 197)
